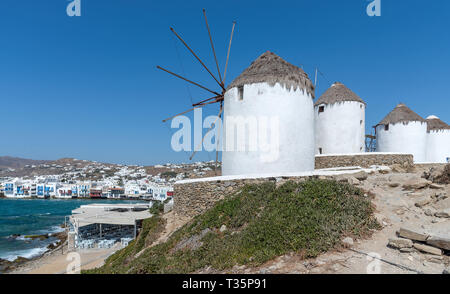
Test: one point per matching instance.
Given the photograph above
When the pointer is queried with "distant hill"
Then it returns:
(21, 167)
(16, 162)
(29, 167)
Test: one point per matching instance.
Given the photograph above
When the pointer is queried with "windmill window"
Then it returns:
(320, 150)
(386, 127)
(321, 109)
(360, 122)
(241, 93)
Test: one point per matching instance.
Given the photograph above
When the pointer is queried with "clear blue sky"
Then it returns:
(87, 87)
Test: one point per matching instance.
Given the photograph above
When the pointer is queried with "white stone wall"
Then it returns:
(438, 146)
(340, 128)
(410, 138)
(290, 118)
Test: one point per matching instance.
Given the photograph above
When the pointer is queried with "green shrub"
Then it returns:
(157, 208)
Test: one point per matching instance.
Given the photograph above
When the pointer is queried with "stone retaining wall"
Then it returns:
(194, 197)
(191, 199)
(364, 160)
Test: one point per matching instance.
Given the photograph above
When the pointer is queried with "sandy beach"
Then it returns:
(56, 262)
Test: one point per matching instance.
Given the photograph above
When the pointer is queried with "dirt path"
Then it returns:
(173, 222)
(56, 263)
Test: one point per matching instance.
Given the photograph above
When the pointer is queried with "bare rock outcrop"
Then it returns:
(439, 242)
(416, 184)
(423, 242)
(428, 249)
(411, 235)
(438, 174)
(399, 243)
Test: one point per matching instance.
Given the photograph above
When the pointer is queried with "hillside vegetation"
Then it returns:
(257, 224)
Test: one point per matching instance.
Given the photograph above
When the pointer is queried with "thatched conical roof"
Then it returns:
(435, 124)
(338, 92)
(401, 113)
(272, 69)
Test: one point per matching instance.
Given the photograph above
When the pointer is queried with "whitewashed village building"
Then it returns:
(340, 120)
(403, 130)
(46, 190)
(271, 103)
(8, 189)
(134, 189)
(438, 141)
(17, 188)
(160, 193)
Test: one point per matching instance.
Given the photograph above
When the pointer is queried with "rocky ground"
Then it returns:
(53, 249)
(415, 236)
(413, 208)
(57, 261)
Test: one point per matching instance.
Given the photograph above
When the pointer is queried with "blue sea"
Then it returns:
(21, 217)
